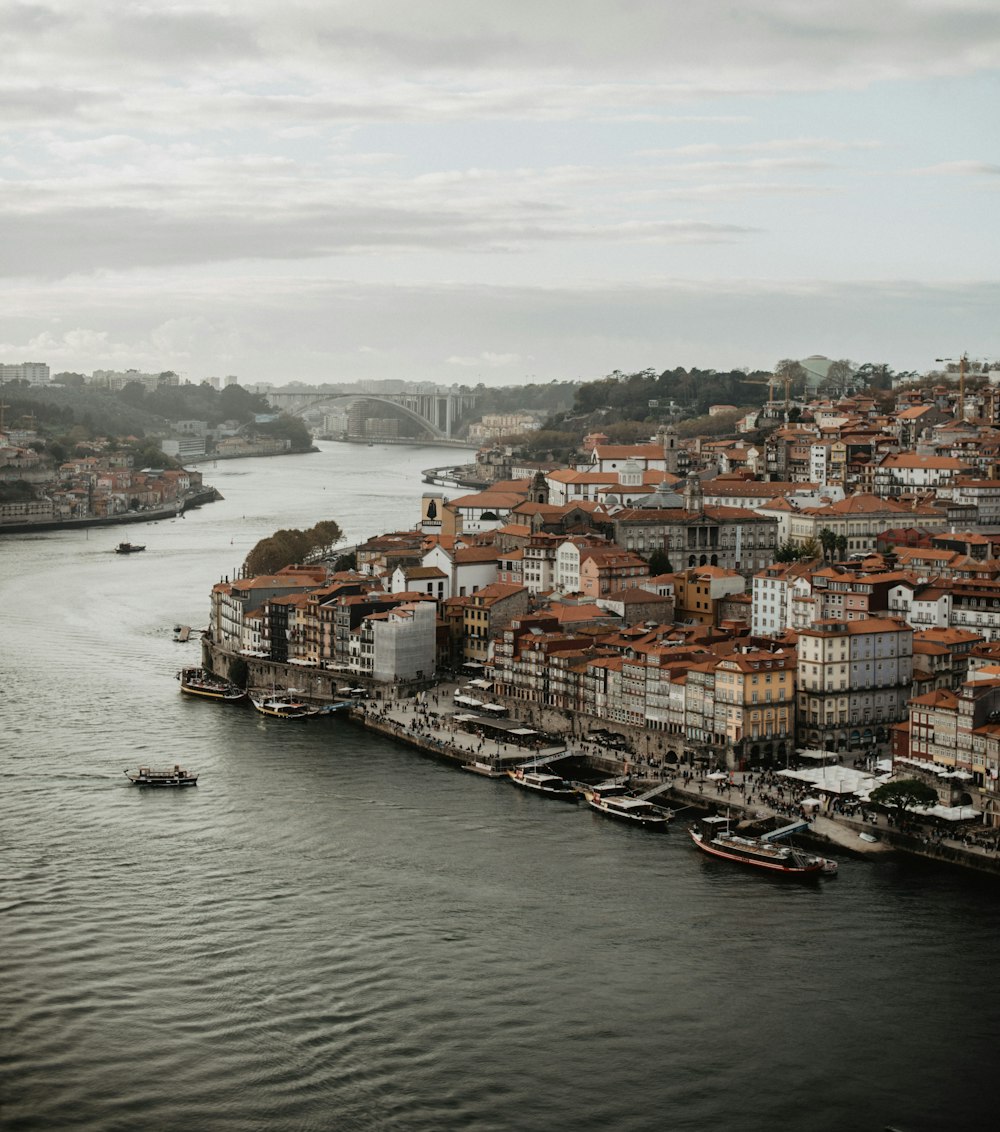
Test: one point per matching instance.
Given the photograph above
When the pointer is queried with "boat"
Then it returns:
(128, 548)
(713, 836)
(487, 770)
(281, 707)
(199, 682)
(627, 807)
(542, 782)
(176, 776)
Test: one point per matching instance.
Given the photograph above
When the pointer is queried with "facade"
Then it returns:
(35, 373)
(854, 682)
(404, 642)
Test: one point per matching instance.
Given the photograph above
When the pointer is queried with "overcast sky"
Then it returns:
(462, 191)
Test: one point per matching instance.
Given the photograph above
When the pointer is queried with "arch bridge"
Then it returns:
(436, 413)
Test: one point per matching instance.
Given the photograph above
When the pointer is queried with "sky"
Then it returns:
(461, 192)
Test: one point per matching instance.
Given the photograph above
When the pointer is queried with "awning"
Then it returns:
(521, 731)
(473, 664)
(467, 701)
(498, 708)
(948, 813)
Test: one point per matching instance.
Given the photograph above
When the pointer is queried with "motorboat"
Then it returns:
(281, 707)
(199, 682)
(128, 548)
(712, 835)
(629, 808)
(542, 782)
(176, 776)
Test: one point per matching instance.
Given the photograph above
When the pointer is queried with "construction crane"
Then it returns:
(963, 361)
(770, 383)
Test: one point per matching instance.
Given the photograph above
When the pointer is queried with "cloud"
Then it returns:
(486, 359)
(446, 60)
(961, 169)
(267, 329)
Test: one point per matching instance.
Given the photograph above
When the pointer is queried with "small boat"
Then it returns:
(176, 776)
(198, 682)
(869, 837)
(626, 807)
(714, 837)
(128, 548)
(541, 782)
(487, 770)
(281, 707)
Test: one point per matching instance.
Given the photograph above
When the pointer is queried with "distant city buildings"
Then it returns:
(35, 373)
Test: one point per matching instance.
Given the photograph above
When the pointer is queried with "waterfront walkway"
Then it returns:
(428, 722)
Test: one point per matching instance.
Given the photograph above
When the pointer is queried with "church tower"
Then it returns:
(539, 492)
(668, 439)
(694, 499)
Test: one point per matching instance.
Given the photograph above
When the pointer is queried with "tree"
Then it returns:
(841, 544)
(291, 546)
(828, 540)
(659, 563)
(788, 552)
(810, 548)
(790, 368)
(839, 377)
(904, 794)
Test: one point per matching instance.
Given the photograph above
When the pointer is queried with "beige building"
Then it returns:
(854, 682)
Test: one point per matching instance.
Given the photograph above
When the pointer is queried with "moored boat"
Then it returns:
(175, 776)
(713, 836)
(626, 807)
(281, 707)
(128, 548)
(542, 782)
(487, 770)
(199, 682)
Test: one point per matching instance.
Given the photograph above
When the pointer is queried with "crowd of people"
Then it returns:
(430, 720)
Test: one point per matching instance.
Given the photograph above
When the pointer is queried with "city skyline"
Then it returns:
(442, 194)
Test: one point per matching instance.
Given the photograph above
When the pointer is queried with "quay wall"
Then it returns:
(319, 686)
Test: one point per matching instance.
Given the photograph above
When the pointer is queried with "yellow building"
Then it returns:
(755, 704)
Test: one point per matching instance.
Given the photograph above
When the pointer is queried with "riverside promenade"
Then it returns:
(428, 723)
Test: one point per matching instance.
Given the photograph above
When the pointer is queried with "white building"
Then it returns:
(404, 642)
(36, 373)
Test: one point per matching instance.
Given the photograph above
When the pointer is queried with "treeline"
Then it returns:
(67, 416)
(292, 547)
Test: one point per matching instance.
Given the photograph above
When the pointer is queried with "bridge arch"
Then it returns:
(303, 404)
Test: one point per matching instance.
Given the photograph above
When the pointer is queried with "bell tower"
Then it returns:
(668, 439)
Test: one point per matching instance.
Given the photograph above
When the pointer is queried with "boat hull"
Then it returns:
(815, 867)
(560, 793)
(161, 778)
(283, 709)
(647, 821)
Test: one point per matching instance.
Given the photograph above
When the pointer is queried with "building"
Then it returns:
(854, 681)
(754, 706)
(403, 641)
(35, 373)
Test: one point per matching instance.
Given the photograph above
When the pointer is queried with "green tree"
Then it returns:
(904, 794)
(291, 546)
(788, 552)
(841, 544)
(810, 548)
(659, 563)
(828, 541)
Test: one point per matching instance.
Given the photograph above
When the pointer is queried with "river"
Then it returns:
(333, 932)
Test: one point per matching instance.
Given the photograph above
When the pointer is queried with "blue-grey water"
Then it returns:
(333, 932)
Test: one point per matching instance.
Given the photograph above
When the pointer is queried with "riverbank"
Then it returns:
(424, 719)
(152, 515)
